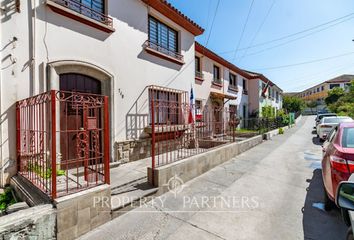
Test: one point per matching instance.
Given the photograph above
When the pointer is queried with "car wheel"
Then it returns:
(328, 203)
(350, 234)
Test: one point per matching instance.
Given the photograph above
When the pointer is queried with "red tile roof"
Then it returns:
(210, 54)
(175, 15)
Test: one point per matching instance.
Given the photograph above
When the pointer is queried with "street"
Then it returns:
(279, 191)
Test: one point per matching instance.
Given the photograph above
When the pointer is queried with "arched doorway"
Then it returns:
(81, 121)
(75, 82)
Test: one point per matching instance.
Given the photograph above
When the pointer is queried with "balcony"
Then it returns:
(199, 76)
(163, 52)
(82, 13)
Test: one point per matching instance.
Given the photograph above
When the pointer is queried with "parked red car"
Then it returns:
(338, 160)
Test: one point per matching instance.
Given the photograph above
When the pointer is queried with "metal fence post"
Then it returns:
(106, 142)
(152, 140)
(18, 137)
(54, 152)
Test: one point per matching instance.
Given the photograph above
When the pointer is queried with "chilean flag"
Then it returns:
(264, 90)
(191, 107)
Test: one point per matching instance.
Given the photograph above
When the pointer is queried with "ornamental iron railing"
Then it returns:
(63, 141)
(85, 10)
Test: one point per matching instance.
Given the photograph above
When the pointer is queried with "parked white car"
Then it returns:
(328, 123)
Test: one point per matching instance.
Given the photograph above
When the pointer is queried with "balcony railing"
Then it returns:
(233, 88)
(148, 45)
(199, 75)
(217, 81)
(85, 10)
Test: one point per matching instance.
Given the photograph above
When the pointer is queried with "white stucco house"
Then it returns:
(220, 83)
(116, 48)
(262, 93)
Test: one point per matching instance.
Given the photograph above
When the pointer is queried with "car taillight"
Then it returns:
(350, 165)
(325, 126)
(339, 164)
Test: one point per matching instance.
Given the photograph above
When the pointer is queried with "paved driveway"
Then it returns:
(273, 191)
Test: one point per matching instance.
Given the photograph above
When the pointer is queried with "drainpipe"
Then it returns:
(33, 36)
(1, 159)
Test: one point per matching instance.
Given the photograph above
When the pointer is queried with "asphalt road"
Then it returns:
(273, 191)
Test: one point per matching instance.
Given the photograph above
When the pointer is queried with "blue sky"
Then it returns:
(285, 17)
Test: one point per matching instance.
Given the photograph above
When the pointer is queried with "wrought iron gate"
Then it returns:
(63, 141)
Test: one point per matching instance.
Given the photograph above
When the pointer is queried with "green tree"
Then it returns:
(293, 104)
(344, 105)
(334, 95)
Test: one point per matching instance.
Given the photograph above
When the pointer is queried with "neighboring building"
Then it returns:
(290, 94)
(262, 93)
(320, 91)
(116, 48)
(219, 83)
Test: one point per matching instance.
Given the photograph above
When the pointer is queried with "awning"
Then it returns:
(222, 95)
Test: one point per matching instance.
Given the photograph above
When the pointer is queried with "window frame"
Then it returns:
(176, 50)
(218, 79)
(164, 117)
(232, 83)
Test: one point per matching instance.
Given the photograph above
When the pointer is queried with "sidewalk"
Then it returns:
(274, 172)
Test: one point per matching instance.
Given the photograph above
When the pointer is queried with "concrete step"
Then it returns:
(28, 192)
(128, 196)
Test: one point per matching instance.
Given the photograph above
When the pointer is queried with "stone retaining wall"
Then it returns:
(194, 166)
(82, 212)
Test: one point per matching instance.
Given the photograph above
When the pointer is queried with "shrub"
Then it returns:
(281, 131)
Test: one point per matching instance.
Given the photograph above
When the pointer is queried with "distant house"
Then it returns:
(263, 92)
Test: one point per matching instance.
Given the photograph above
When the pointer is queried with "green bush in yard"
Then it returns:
(281, 131)
(6, 199)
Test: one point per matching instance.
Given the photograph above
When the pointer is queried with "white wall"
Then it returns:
(120, 54)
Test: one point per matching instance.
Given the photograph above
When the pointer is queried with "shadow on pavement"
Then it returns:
(317, 223)
(316, 141)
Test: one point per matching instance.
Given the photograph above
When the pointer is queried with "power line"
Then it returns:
(295, 39)
(212, 23)
(243, 30)
(258, 30)
(349, 16)
(307, 62)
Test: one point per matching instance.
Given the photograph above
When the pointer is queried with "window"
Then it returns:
(96, 5)
(233, 81)
(348, 138)
(197, 64)
(244, 84)
(318, 89)
(322, 88)
(277, 96)
(163, 36)
(168, 106)
(331, 86)
(216, 72)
